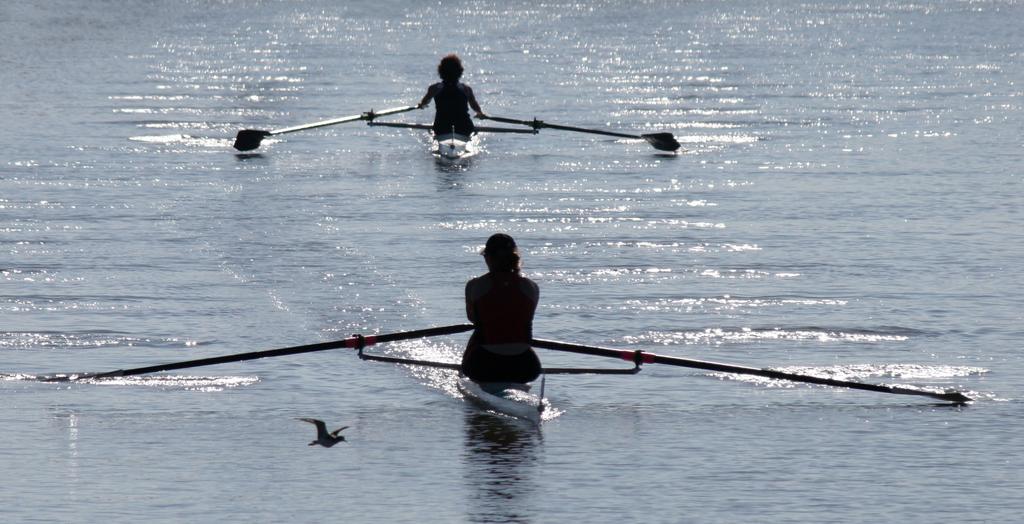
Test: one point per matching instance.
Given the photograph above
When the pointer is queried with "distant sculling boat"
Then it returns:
(450, 146)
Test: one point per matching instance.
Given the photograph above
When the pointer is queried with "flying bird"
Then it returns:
(324, 438)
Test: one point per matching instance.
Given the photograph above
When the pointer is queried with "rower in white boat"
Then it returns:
(453, 128)
(499, 363)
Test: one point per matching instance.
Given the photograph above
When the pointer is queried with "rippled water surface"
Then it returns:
(848, 205)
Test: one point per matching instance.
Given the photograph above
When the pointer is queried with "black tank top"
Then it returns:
(452, 106)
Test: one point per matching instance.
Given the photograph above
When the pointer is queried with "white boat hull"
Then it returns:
(513, 400)
(453, 146)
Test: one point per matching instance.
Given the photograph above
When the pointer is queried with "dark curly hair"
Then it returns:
(502, 254)
(450, 68)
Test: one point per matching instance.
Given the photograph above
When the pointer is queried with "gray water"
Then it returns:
(848, 205)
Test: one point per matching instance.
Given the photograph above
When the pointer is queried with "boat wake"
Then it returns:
(178, 139)
(169, 382)
(734, 335)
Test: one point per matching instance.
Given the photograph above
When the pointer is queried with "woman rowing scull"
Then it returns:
(501, 305)
(452, 100)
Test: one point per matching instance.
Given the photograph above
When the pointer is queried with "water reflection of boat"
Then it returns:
(499, 461)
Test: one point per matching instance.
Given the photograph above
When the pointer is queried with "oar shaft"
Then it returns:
(540, 124)
(369, 115)
(314, 125)
(411, 361)
(641, 357)
(592, 131)
(532, 123)
(478, 129)
(249, 139)
(351, 342)
(402, 125)
(794, 377)
(488, 129)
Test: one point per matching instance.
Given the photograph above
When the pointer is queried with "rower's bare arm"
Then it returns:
(426, 98)
(473, 103)
(470, 313)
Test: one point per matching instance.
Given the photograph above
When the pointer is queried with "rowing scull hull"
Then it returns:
(513, 400)
(453, 146)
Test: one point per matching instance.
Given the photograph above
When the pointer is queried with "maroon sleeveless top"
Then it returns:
(504, 314)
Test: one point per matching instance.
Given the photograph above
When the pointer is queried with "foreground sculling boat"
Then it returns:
(506, 398)
(510, 402)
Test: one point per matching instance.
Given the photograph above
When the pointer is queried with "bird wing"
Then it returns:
(321, 429)
(339, 430)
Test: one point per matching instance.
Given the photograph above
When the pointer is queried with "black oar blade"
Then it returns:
(249, 139)
(954, 396)
(663, 141)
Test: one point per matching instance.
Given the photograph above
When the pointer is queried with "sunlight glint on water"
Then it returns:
(848, 206)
